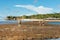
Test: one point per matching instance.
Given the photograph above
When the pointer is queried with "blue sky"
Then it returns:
(28, 7)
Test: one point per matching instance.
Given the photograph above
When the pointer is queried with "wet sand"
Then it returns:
(28, 31)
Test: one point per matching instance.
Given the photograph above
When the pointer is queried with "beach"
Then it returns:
(31, 31)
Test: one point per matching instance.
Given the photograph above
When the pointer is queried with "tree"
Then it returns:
(24, 16)
(9, 17)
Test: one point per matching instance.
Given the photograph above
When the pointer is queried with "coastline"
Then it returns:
(53, 20)
(47, 20)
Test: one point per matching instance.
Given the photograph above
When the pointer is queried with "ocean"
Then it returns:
(8, 21)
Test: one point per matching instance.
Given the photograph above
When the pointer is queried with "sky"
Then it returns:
(28, 7)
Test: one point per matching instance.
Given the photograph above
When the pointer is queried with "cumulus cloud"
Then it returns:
(39, 9)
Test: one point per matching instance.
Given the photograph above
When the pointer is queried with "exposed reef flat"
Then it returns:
(28, 30)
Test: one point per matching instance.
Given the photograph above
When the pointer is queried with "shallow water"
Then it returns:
(45, 39)
(54, 23)
(8, 21)
(42, 39)
(53, 39)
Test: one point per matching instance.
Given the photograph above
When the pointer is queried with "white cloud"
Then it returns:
(39, 9)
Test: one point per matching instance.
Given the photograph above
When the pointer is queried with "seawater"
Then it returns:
(45, 39)
(11, 21)
(54, 23)
(53, 39)
(8, 21)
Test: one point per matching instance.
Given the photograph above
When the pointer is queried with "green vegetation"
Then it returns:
(38, 16)
(10, 17)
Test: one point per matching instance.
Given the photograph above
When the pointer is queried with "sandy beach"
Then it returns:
(31, 31)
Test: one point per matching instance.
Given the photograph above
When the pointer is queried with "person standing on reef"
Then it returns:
(19, 22)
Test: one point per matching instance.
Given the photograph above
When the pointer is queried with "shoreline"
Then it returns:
(52, 20)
